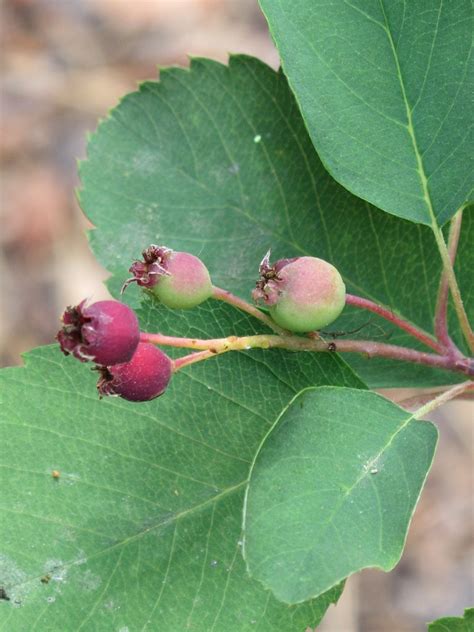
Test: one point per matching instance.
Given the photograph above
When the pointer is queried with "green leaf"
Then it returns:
(385, 89)
(454, 624)
(142, 530)
(217, 161)
(332, 490)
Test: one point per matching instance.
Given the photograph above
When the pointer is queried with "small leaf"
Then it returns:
(454, 624)
(385, 89)
(332, 490)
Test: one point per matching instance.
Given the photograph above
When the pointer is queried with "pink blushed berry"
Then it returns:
(178, 279)
(105, 332)
(302, 294)
(143, 378)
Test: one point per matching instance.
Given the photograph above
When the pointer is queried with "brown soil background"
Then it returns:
(64, 64)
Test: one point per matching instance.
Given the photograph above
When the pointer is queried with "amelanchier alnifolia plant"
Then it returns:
(243, 497)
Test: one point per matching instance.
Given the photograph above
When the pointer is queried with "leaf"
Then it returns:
(385, 90)
(332, 490)
(217, 161)
(141, 531)
(454, 624)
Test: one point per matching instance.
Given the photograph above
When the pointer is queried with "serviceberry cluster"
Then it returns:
(108, 334)
(302, 294)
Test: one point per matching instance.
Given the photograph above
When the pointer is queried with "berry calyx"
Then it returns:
(143, 378)
(105, 332)
(302, 294)
(178, 279)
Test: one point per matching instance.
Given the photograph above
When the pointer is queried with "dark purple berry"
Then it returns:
(105, 332)
(145, 377)
(178, 279)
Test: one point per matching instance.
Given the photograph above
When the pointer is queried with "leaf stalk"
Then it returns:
(435, 403)
(448, 271)
(441, 314)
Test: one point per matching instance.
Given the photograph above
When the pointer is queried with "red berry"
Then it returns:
(106, 332)
(145, 377)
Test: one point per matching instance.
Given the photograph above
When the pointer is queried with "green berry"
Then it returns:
(302, 294)
(186, 284)
(178, 279)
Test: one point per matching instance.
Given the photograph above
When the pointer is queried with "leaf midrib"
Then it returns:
(410, 126)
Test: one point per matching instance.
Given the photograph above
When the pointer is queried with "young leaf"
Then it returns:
(454, 624)
(217, 161)
(332, 490)
(116, 515)
(385, 90)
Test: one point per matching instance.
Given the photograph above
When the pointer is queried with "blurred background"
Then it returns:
(65, 63)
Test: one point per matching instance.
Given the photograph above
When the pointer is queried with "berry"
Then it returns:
(178, 279)
(145, 377)
(106, 332)
(302, 294)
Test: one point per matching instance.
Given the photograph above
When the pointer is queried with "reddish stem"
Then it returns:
(191, 359)
(413, 330)
(381, 350)
(441, 317)
(227, 297)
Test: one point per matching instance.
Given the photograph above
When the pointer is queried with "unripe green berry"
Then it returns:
(302, 294)
(187, 283)
(178, 279)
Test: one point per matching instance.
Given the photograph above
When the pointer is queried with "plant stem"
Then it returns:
(448, 270)
(223, 295)
(441, 315)
(363, 303)
(443, 398)
(413, 402)
(191, 359)
(296, 343)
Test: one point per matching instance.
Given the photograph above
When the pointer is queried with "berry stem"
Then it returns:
(413, 330)
(448, 270)
(441, 315)
(368, 348)
(223, 295)
(443, 398)
(198, 356)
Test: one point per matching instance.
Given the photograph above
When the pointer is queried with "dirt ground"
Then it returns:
(64, 64)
